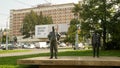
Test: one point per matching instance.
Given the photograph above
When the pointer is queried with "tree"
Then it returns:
(48, 20)
(114, 32)
(72, 31)
(96, 14)
(31, 19)
(29, 23)
(42, 20)
(1, 30)
(76, 9)
(4, 39)
(0, 35)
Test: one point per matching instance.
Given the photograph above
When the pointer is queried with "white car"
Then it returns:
(2, 46)
(81, 46)
(62, 45)
(28, 46)
(42, 45)
(9, 46)
(31, 46)
(25, 45)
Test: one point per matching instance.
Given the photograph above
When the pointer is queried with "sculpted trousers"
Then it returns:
(96, 50)
(53, 49)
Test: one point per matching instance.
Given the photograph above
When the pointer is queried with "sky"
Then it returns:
(7, 5)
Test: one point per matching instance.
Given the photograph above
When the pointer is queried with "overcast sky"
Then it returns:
(7, 5)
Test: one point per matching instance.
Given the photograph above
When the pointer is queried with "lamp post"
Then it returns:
(7, 35)
(76, 36)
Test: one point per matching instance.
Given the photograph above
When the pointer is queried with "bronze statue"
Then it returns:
(53, 37)
(96, 44)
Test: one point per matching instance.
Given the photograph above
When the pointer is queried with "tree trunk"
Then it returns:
(104, 25)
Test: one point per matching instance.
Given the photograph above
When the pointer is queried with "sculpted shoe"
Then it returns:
(55, 57)
(50, 58)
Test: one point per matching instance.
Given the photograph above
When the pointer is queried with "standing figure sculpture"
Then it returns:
(96, 44)
(53, 38)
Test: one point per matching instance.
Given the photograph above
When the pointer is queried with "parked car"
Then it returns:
(31, 46)
(42, 45)
(10, 47)
(81, 46)
(37, 45)
(62, 44)
(2, 46)
(25, 45)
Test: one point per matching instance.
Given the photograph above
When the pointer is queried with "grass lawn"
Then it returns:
(12, 51)
(10, 62)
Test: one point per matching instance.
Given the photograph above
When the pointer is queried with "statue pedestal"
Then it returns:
(72, 62)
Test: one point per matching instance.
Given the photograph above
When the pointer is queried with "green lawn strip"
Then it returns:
(13, 51)
(13, 60)
(76, 53)
(9, 66)
(110, 53)
(18, 66)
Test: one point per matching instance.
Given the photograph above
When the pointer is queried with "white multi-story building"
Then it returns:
(60, 13)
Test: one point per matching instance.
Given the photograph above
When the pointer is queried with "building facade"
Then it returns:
(61, 13)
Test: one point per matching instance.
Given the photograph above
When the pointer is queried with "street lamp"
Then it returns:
(76, 36)
(7, 34)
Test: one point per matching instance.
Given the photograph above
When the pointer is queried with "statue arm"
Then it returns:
(49, 36)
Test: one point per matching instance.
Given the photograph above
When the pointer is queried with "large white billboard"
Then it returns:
(42, 31)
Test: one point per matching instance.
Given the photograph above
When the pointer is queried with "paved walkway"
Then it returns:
(33, 51)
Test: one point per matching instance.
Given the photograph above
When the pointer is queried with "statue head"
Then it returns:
(53, 29)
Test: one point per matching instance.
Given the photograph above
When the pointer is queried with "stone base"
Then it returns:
(57, 66)
(72, 62)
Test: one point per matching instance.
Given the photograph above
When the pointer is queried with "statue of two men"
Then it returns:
(53, 38)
